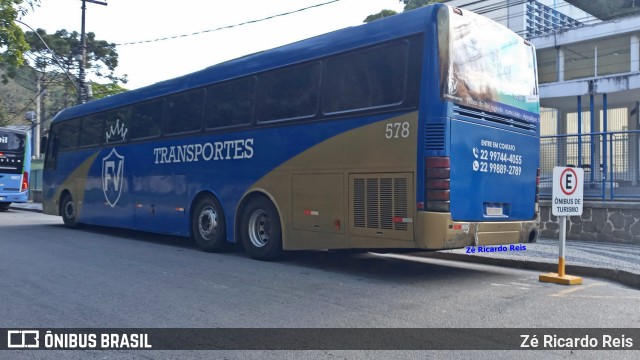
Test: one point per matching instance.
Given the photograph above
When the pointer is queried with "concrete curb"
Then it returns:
(623, 277)
(21, 208)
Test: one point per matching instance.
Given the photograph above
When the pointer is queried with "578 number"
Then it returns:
(397, 130)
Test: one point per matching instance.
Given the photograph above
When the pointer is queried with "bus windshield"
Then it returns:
(485, 66)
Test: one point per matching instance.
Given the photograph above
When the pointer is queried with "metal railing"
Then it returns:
(611, 163)
(35, 180)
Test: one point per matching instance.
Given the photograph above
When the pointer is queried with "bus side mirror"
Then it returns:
(43, 144)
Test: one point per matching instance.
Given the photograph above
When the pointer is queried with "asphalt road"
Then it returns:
(53, 277)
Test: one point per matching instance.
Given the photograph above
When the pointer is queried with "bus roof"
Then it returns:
(16, 129)
(400, 25)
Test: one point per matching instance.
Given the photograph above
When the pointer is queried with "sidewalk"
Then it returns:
(612, 261)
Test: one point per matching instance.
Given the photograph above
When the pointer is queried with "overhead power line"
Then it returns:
(53, 55)
(228, 26)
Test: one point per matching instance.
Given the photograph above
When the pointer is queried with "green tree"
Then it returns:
(101, 56)
(57, 63)
(408, 6)
(4, 118)
(57, 75)
(17, 95)
(12, 39)
(414, 4)
(382, 14)
(104, 90)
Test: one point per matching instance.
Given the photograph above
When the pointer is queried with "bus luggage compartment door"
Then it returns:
(318, 203)
(155, 203)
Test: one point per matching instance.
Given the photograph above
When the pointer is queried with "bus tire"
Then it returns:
(4, 206)
(208, 226)
(68, 212)
(260, 231)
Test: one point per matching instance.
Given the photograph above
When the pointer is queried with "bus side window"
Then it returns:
(92, 130)
(289, 93)
(116, 126)
(230, 104)
(69, 132)
(44, 141)
(51, 155)
(146, 119)
(366, 79)
(183, 112)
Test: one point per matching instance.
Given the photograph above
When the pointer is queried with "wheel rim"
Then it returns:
(208, 223)
(69, 210)
(259, 228)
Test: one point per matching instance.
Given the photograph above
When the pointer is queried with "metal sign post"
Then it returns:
(566, 201)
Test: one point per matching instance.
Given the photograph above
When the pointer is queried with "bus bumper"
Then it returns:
(20, 197)
(438, 231)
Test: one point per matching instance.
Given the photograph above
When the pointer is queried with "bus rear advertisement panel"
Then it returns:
(330, 143)
(487, 68)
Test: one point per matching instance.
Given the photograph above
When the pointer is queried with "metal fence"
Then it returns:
(35, 180)
(611, 163)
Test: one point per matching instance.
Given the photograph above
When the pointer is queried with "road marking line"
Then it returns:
(512, 286)
(603, 297)
(565, 292)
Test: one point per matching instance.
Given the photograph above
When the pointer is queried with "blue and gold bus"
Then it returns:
(15, 165)
(416, 131)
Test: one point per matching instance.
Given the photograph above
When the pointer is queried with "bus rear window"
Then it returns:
(10, 141)
(484, 65)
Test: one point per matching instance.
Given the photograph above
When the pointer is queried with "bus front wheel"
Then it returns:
(68, 212)
(260, 230)
(208, 225)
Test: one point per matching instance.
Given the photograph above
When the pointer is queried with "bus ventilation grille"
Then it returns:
(499, 119)
(379, 203)
(434, 137)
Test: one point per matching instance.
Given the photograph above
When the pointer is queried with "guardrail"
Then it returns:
(611, 163)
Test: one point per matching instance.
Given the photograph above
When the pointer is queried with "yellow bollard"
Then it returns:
(561, 277)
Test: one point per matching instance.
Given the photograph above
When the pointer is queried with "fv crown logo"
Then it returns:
(112, 177)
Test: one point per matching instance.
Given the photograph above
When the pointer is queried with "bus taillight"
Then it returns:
(25, 182)
(438, 183)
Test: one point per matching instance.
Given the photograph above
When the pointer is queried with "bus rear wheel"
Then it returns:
(207, 225)
(260, 231)
(4, 206)
(68, 212)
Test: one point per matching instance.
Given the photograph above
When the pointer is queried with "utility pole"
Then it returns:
(36, 126)
(82, 87)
